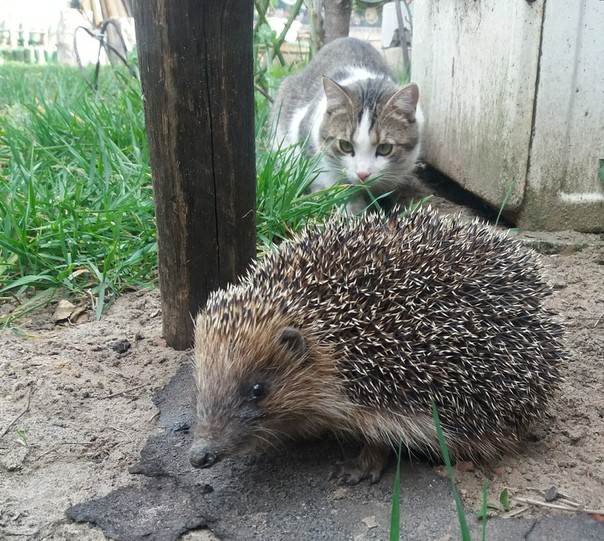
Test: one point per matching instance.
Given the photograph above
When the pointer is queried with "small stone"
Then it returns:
(550, 494)
(574, 434)
(370, 522)
(339, 493)
(206, 488)
(121, 346)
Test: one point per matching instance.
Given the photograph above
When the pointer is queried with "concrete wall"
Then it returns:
(513, 95)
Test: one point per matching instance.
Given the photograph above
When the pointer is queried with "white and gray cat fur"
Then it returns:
(348, 104)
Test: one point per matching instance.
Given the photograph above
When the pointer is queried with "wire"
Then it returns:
(111, 51)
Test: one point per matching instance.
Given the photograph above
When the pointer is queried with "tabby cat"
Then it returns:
(347, 103)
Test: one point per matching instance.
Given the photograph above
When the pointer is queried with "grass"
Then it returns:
(394, 534)
(395, 512)
(507, 196)
(76, 202)
(463, 523)
(283, 203)
(76, 207)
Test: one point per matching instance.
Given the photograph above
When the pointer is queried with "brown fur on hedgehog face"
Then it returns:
(255, 392)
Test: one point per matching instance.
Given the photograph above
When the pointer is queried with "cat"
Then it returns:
(347, 104)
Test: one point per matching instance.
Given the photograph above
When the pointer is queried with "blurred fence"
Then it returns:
(39, 31)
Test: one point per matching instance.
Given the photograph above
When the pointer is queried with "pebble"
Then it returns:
(339, 493)
(574, 434)
(370, 522)
(121, 346)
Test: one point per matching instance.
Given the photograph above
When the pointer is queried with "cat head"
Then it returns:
(370, 129)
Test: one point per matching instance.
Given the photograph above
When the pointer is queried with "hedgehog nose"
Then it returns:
(202, 457)
(363, 175)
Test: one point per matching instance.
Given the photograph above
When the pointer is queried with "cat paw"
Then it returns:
(355, 206)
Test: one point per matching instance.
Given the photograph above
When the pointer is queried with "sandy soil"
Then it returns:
(87, 390)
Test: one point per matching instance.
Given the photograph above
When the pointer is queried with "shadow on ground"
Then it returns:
(283, 497)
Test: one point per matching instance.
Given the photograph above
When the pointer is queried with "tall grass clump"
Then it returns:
(284, 204)
(76, 207)
(76, 202)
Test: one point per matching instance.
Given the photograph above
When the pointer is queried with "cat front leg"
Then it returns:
(326, 180)
(356, 205)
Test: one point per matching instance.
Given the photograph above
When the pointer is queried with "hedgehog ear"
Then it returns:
(293, 340)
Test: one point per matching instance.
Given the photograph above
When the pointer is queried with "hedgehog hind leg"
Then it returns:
(369, 464)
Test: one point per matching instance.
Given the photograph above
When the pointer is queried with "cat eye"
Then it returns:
(345, 146)
(384, 149)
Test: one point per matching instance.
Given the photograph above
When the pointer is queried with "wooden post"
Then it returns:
(196, 65)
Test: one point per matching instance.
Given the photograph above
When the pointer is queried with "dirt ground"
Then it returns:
(81, 397)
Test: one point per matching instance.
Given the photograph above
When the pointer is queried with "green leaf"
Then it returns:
(504, 498)
(34, 279)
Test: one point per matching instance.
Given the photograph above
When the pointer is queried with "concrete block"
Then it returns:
(513, 97)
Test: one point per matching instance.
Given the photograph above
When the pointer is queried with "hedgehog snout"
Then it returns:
(201, 456)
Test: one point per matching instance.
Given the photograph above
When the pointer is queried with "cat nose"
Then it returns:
(363, 175)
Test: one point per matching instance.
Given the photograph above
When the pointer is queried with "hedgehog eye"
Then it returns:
(345, 146)
(384, 149)
(257, 391)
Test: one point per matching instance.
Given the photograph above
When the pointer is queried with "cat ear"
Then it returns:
(406, 99)
(336, 95)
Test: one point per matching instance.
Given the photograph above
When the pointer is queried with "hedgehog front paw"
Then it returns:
(368, 465)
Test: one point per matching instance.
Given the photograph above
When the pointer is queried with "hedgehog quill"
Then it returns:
(356, 326)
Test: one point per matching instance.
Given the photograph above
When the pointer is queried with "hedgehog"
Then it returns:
(359, 326)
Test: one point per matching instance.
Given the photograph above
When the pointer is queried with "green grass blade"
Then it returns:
(463, 523)
(484, 516)
(30, 305)
(395, 513)
(508, 194)
(29, 280)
